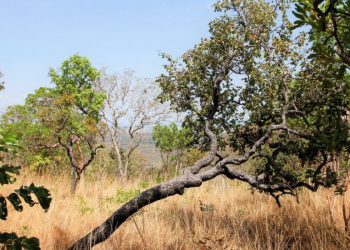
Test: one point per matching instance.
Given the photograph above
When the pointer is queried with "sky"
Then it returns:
(37, 35)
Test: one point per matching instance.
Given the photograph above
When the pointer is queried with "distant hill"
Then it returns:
(147, 146)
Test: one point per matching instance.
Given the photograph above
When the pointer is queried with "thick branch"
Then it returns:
(93, 152)
(192, 178)
(212, 153)
(254, 181)
(170, 188)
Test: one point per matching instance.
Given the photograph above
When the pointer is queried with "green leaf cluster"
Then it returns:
(170, 138)
(75, 80)
(68, 110)
(256, 69)
(24, 193)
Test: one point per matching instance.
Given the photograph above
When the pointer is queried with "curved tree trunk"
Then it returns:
(194, 177)
(170, 188)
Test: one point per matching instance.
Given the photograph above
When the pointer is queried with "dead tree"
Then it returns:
(130, 106)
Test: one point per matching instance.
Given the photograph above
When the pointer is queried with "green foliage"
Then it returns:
(40, 163)
(172, 142)
(329, 28)
(24, 193)
(256, 70)
(54, 117)
(170, 138)
(123, 196)
(75, 79)
(83, 207)
(144, 184)
(34, 125)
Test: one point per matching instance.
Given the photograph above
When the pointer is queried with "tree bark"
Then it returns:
(170, 188)
(191, 178)
(74, 180)
(194, 177)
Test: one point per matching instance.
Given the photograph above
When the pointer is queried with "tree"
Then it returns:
(65, 117)
(8, 143)
(329, 24)
(37, 141)
(77, 115)
(172, 142)
(252, 87)
(129, 107)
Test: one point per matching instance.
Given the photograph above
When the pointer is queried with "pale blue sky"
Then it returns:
(117, 34)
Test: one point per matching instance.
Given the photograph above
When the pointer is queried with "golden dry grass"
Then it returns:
(218, 215)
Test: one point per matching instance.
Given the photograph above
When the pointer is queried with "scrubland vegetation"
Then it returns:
(260, 160)
(218, 215)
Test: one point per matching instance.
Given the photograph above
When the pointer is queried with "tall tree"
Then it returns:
(130, 106)
(252, 87)
(65, 117)
(76, 113)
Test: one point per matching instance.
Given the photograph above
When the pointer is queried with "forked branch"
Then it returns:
(193, 177)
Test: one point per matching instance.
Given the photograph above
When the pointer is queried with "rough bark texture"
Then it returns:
(194, 176)
(101, 233)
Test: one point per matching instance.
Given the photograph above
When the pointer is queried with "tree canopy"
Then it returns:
(259, 89)
(63, 120)
(329, 28)
(255, 78)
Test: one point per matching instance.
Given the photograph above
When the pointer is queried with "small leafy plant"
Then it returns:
(24, 194)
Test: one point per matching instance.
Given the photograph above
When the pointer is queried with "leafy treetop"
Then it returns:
(75, 80)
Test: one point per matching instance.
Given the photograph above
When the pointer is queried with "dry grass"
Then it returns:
(218, 215)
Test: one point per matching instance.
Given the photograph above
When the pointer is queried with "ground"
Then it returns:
(218, 215)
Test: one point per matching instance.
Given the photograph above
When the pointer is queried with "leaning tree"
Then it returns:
(256, 87)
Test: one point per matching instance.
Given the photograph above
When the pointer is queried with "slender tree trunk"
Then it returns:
(74, 179)
(126, 168)
(119, 170)
(163, 160)
(167, 163)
